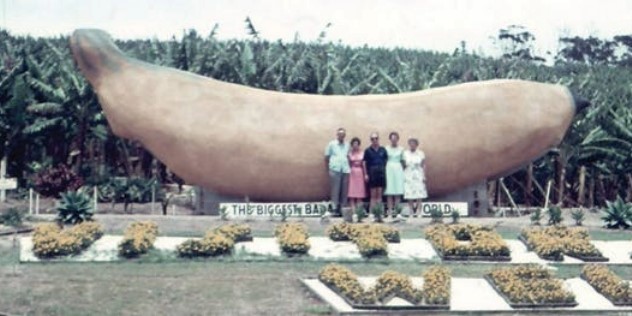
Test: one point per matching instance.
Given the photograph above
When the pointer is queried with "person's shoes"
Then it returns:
(399, 218)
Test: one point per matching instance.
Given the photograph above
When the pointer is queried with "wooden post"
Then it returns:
(528, 188)
(95, 194)
(509, 197)
(3, 172)
(548, 192)
(581, 190)
(30, 201)
(153, 199)
(37, 204)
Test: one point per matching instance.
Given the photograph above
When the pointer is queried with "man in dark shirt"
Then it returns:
(375, 158)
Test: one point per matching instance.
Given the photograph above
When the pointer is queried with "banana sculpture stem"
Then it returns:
(267, 145)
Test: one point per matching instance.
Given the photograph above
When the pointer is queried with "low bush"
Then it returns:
(236, 232)
(12, 217)
(481, 241)
(530, 285)
(346, 231)
(346, 283)
(139, 237)
(51, 182)
(392, 283)
(372, 243)
(617, 214)
(74, 207)
(213, 244)
(553, 242)
(50, 240)
(437, 286)
(293, 238)
(608, 284)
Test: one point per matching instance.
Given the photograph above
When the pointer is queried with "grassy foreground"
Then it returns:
(154, 286)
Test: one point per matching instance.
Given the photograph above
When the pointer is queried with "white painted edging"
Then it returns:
(323, 248)
(473, 294)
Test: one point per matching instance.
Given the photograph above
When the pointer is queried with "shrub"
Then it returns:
(608, 284)
(484, 242)
(437, 285)
(49, 240)
(12, 217)
(530, 284)
(552, 242)
(578, 216)
(536, 217)
(359, 211)
(436, 216)
(378, 212)
(139, 237)
(372, 244)
(293, 238)
(455, 216)
(236, 232)
(74, 207)
(392, 283)
(618, 214)
(213, 244)
(555, 215)
(345, 231)
(52, 182)
(345, 282)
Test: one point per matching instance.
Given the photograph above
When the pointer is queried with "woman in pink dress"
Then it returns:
(357, 185)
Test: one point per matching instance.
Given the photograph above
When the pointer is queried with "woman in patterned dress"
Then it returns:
(415, 180)
(357, 181)
(394, 174)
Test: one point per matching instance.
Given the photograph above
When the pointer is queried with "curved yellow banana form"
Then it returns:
(267, 145)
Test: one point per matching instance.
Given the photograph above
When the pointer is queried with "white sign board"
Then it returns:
(445, 207)
(8, 183)
(299, 209)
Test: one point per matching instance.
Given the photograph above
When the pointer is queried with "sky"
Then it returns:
(428, 24)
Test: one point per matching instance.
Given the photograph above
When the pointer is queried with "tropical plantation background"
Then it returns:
(56, 137)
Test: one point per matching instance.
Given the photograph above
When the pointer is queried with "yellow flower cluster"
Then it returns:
(392, 283)
(293, 238)
(437, 285)
(483, 241)
(49, 240)
(531, 285)
(236, 232)
(213, 244)
(551, 242)
(371, 243)
(436, 288)
(346, 283)
(608, 284)
(346, 231)
(139, 237)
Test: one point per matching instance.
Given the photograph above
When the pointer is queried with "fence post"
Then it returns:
(96, 199)
(30, 201)
(153, 199)
(37, 203)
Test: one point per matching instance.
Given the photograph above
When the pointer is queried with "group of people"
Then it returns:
(391, 171)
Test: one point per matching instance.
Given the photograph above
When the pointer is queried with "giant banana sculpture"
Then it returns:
(267, 145)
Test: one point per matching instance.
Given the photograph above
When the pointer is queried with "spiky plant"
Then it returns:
(618, 214)
(74, 207)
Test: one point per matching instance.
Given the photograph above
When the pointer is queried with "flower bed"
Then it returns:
(551, 243)
(345, 231)
(467, 242)
(139, 237)
(530, 286)
(608, 284)
(236, 232)
(292, 238)
(388, 285)
(217, 242)
(49, 240)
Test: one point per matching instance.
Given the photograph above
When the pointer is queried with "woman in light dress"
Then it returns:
(415, 180)
(357, 181)
(394, 174)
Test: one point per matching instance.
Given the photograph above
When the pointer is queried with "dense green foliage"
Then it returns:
(50, 115)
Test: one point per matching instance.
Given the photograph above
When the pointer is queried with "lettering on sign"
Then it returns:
(8, 183)
(306, 209)
(446, 208)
